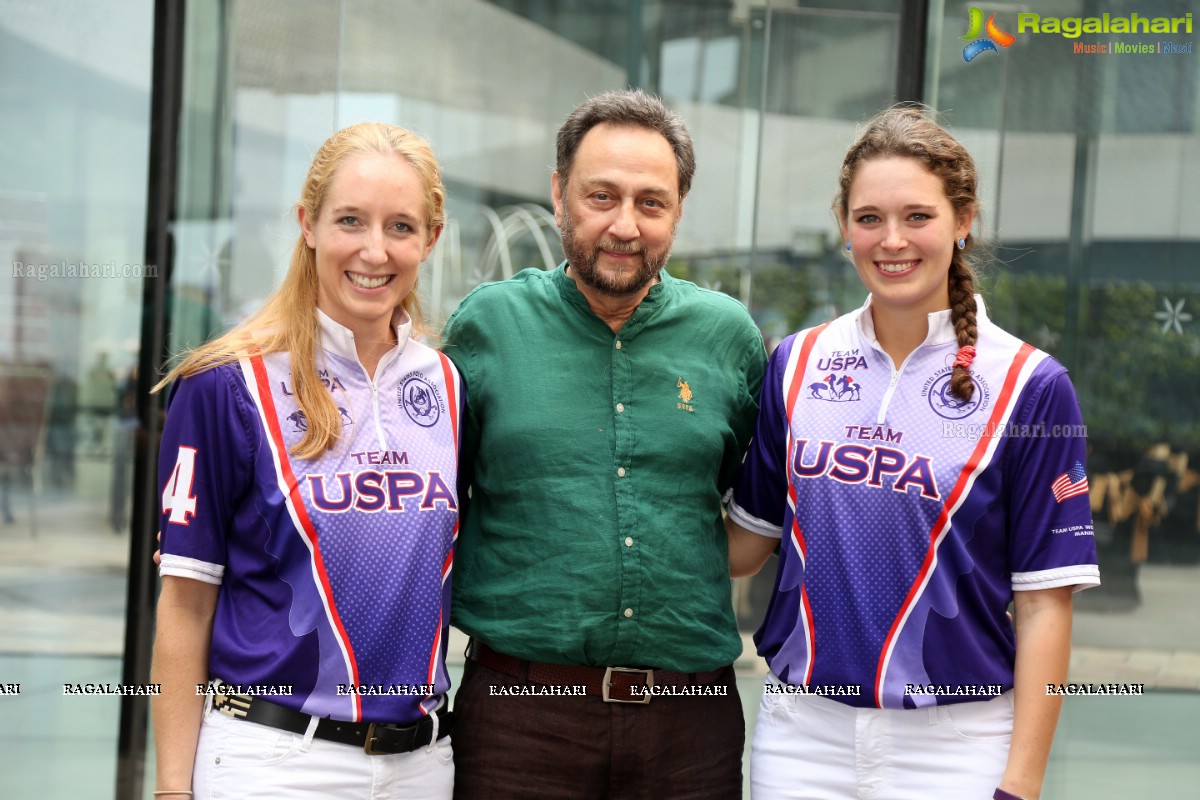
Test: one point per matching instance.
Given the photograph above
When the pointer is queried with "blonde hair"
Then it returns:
(288, 322)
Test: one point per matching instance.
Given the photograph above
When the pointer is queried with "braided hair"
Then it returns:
(908, 132)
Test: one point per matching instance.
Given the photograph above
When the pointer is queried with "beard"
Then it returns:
(621, 283)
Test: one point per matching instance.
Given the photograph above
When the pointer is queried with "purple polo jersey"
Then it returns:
(334, 572)
(908, 517)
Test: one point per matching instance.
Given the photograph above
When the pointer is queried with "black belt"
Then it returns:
(375, 738)
(612, 684)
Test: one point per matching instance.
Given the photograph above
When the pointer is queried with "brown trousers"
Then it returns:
(552, 748)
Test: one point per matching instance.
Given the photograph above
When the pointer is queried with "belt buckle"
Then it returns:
(232, 705)
(369, 742)
(606, 686)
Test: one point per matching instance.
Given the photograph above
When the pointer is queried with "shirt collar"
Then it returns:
(339, 340)
(941, 329)
(570, 291)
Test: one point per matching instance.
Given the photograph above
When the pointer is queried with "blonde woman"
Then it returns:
(309, 510)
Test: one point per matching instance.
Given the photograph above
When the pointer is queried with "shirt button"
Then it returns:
(618, 344)
(629, 541)
(620, 472)
(628, 613)
(620, 408)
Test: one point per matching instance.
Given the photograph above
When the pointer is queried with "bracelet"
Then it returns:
(1000, 794)
(162, 792)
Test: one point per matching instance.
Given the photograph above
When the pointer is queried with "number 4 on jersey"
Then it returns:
(177, 497)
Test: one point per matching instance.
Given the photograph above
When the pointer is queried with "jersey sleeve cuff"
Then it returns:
(1079, 576)
(184, 567)
(752, 523)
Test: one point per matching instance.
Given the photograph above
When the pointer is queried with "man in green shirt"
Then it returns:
(609, 405)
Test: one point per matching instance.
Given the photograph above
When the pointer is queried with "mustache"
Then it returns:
(620, 247)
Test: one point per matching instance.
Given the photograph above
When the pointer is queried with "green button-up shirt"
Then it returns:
(593, 534)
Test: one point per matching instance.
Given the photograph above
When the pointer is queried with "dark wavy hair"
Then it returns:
(910, 132)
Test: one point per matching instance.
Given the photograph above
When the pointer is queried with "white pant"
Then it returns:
(808, 747)
(248, 761)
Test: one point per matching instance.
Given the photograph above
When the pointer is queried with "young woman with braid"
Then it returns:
(910, 512)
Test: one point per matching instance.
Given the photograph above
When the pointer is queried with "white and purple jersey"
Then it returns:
(334, 572)
(907, 516)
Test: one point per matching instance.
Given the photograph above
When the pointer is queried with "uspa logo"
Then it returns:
(992, 36)
(420, 399)
(946, 404)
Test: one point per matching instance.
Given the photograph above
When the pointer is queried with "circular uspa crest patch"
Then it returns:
(420, 400)
(948, 405)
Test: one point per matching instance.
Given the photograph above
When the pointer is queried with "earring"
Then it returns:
(847, 247)
(962, 243)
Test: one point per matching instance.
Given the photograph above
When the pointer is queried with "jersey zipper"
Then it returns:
(375, 412)
(895, 381)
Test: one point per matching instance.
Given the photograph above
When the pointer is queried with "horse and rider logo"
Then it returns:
(833, 389)
(298, 419)
(685, 395)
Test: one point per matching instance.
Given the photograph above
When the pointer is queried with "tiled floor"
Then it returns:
(61, 621)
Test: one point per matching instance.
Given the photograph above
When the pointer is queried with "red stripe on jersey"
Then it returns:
(797, 534)
(433, 658)
(942, 523)
(297, 504)
(447, 565)
(806, 348)
(806, 616)
(437, 638)
(801, 365)
(452, 395)
(810, 632)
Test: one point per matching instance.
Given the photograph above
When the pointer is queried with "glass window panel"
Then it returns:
(75, 88)
(800, 274)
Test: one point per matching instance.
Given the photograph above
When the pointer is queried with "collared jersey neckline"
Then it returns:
(339, 340)
(941, 329)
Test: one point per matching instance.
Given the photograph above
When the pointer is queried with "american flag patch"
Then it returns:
(1070, 483)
